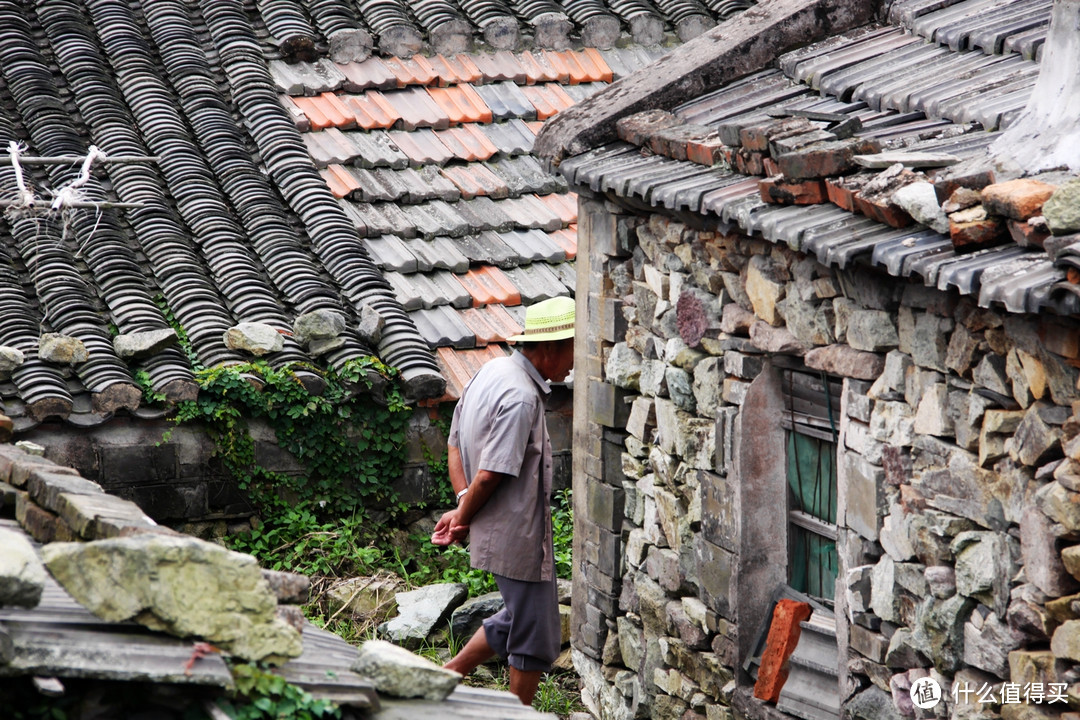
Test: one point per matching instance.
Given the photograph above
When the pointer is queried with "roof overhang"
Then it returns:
(747, 42)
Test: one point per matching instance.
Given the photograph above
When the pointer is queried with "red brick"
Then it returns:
(977, 234)
(842, 197)
(38, 522)
(757, 137)
(749, 162)
(825, 159)
(883, 211)
(781, 192)
(7, 427)
(949, 180)
(1017, 199)
(636, 129)
(671, 142)
(707, 151)
(1025, 235)
(770, 167)
(783, 636)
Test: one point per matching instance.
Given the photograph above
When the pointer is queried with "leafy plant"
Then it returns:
(562, 524)
(262, 695)
(558, 693)
(351, 446)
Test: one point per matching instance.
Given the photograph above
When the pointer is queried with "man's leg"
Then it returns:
(523, 683)
(476, 652)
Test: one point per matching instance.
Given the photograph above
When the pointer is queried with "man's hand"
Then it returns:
(449, 530)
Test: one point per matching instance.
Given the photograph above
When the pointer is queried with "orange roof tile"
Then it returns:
(476, 320)
(340, 181)
(495, 321)
(469, 186)
(603, 72)
(369, 114)
(480, 110)
(472, 72)
(578, 72)
(494, 186)
(567, 240)
(450, 71)
(387, 108)
(336, 111)
(459, 366)
(468, 143)
(447, 100)
(562, 205)
(313, 111)
(487, 285)
(425, 72)
(534, 125)
(559, 64)
(411, 71)
(461, 105)
(562, 99)
(480, 141)
(540, 97)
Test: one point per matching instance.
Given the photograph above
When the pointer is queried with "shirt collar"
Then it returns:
(533, 373)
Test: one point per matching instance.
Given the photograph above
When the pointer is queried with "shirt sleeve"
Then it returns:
(452, 437)
(513, 421)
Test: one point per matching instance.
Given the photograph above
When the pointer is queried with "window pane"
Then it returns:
(814, 563)
(812, 475)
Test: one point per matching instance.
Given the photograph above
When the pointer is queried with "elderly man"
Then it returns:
(500, 467)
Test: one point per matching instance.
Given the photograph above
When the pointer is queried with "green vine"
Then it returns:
(351, 446)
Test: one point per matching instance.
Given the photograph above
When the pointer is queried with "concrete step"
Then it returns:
(810, 694)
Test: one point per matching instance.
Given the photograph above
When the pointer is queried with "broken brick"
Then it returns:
(671, 141)
(961, 199)
(1017, 199)
(637, 128)
(883, 211)
(748, 162)
(790, 142)
(770, 167)
(707, 151)
(784, 632)
(757, 137)
(781, 192)
(974, 175)
(843, 191)
(825, 159)
(977, 234)
(1026, 235)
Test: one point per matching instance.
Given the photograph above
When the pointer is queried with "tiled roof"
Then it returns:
(943, 77)
(296, 156)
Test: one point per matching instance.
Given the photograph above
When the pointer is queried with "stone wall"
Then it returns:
(958, 468)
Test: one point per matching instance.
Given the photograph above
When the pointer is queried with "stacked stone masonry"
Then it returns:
(958, 474)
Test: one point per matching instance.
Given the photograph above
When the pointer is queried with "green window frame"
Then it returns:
(811, 447)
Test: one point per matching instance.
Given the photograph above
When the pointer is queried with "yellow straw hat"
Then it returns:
(548, 320)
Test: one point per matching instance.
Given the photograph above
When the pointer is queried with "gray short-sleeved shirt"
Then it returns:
(499, 426)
